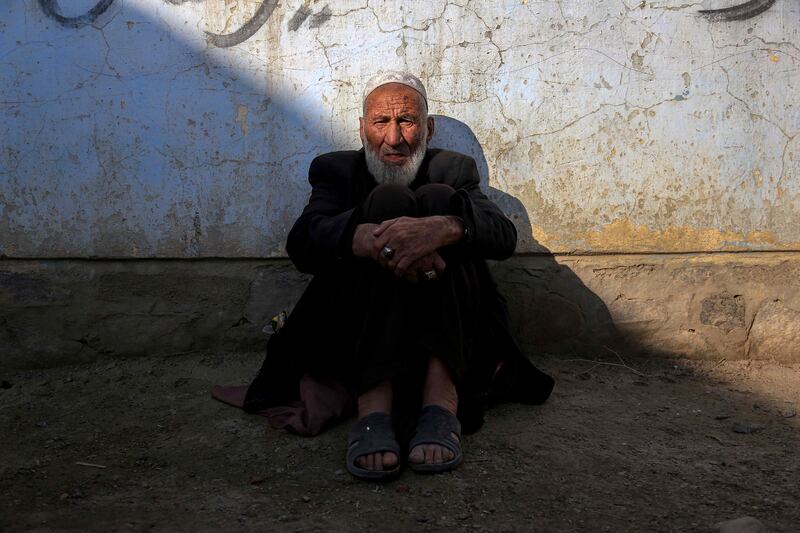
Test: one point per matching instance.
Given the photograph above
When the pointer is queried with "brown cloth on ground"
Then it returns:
(320, 404)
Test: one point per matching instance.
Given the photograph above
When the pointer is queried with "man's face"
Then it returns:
(395, 130)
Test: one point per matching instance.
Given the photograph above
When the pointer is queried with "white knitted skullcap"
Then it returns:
(393, 76)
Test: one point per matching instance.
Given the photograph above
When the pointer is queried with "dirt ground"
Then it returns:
(659, 445)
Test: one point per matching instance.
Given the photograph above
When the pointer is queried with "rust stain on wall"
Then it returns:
(623, 235)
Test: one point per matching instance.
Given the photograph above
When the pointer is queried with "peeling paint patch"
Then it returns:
(637, 60)
(241, 118)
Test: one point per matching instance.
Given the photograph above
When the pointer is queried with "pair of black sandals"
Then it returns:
(374, 433)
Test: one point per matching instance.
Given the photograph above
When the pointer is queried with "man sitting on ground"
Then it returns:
(402, 309)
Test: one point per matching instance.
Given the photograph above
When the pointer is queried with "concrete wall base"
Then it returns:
(709, 306)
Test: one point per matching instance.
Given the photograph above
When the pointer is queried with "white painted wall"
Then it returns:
(602, 126)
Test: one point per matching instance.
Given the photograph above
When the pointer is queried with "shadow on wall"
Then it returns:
(551, 309)
(189, 150)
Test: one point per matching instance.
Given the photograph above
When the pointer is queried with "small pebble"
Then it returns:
(306, 499)
(746, 428)
(788, 413)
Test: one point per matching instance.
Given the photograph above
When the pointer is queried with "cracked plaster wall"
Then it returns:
(614, 126)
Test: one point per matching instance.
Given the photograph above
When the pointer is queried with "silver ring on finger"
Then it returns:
(430, 275)
(387, 252)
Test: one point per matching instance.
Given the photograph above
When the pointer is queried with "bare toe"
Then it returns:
(416, 455)
(389, 460)
(447, 454)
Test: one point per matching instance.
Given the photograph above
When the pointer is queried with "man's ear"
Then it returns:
(361, 129)
(431, 125)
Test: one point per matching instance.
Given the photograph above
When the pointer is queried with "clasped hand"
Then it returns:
(415, 242)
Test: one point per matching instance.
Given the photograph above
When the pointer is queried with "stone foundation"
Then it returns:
(709, 306)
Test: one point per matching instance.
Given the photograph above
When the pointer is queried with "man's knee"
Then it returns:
(389, 201)
(434, 199)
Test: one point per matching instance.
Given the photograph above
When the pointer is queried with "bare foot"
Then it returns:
(377, 400)
(431, 453)
(440, 390)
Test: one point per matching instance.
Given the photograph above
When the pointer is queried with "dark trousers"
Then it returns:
(401, 324)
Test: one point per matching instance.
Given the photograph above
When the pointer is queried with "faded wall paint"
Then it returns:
(184, 128)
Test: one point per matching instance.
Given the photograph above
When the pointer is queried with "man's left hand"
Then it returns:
(420, 269)
(414, 238)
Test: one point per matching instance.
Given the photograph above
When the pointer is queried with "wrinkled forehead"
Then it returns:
(394, 96)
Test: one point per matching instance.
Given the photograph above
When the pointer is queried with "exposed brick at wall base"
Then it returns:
(703, 306)
(708, 306)
(63, 311)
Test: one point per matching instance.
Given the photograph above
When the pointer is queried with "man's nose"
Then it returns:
(394, 136)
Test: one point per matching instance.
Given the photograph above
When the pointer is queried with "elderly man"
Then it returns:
(402, 309)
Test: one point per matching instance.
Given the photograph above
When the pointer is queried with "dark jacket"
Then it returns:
(340, 182)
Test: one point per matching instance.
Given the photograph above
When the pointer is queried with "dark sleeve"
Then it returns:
(489, 234)
(323, 234)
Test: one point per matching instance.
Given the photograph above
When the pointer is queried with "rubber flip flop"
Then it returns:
(436, 425)
(372, 434)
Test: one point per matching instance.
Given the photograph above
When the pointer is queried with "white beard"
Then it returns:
(395, 174)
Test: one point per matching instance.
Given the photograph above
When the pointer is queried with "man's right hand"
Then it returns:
(365, 245)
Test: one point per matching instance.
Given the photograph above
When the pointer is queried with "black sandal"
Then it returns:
(436, 425)
(372, 434)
